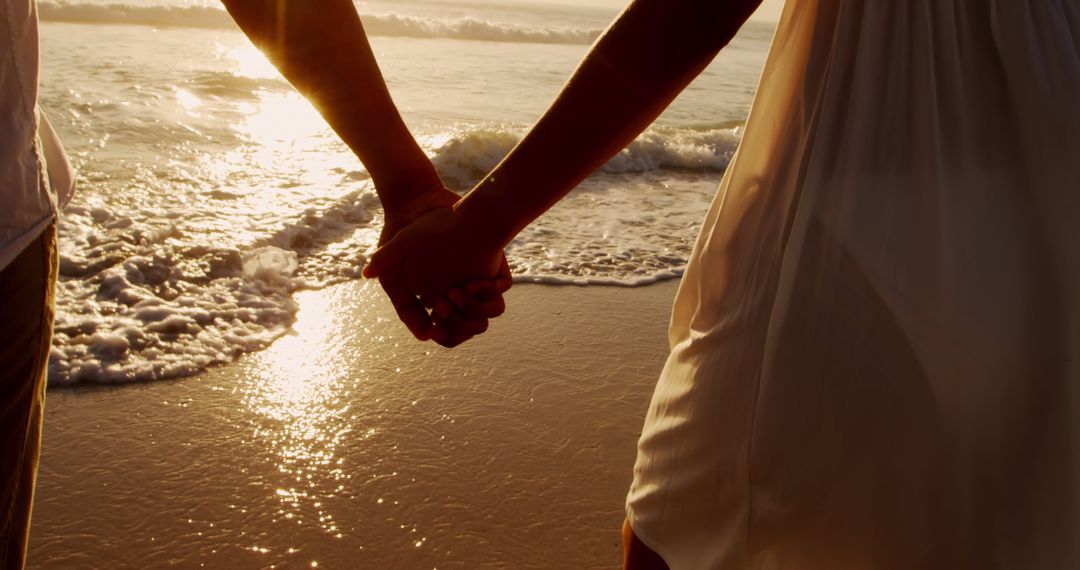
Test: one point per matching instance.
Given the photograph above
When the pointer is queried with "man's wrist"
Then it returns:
(409, 190)
(486, 213)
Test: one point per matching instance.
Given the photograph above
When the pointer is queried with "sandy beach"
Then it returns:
(349, 445)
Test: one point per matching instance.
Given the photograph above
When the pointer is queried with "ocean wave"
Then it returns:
(233, 86)
(473, 29)
(149, 295)
(390, 25)
(464, 157)
(160, 16)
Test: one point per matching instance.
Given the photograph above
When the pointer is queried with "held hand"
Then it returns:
(476, 297)
(461, 312)
(437, 259)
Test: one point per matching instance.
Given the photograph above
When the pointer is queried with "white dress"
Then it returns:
(875, 350)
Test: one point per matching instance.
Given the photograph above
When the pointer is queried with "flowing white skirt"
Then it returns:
(875, 350)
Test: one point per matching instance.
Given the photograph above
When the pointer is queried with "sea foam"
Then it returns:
(136, 303)
(145, 296)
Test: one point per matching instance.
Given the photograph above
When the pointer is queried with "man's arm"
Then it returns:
(644, 60)
(321, 48)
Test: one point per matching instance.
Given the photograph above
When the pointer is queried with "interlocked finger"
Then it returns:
(409, 309)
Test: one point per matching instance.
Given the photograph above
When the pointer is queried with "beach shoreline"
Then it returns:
(347, 444)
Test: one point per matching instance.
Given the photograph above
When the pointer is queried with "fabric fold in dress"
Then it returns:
(876, 345)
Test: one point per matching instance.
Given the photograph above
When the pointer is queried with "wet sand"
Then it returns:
(350, 445)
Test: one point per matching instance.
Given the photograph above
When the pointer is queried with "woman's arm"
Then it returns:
(633, 72)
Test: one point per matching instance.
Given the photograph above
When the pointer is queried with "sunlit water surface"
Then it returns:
(210, 191)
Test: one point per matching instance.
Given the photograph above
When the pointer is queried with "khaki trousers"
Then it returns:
(27, 288)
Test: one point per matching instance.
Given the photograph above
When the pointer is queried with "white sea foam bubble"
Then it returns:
(138, 302)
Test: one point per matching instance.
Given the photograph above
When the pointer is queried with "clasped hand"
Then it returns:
(444, 284)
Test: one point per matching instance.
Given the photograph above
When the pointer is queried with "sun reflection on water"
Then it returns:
(285, 154)
(248, 61)
(299, 390)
